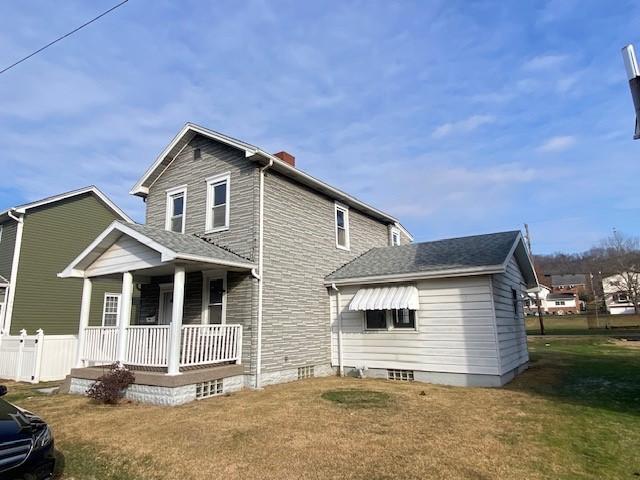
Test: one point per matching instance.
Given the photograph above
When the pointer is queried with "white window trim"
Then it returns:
(104, 306)
(206, 277)
(1, 230)
(395, 231)
(208, 228)
(169, 207)
(345, 210)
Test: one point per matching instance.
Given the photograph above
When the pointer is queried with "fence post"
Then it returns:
(35, 378)
(23, 336)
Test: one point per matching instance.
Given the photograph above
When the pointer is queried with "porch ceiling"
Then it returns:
(150, 251)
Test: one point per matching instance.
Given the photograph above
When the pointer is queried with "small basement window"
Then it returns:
(400, 375)
(306, 372)
(209, 389)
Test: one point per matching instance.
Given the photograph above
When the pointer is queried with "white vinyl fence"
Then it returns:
(35, 358)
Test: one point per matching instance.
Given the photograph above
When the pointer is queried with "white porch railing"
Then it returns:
(100, 344)
(148, 345)
(203, 344)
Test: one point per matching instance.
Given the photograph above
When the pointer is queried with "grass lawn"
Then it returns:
(579, 325)
(574, 414)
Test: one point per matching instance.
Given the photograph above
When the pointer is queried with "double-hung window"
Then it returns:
(395, 237)
(111, 310)
(218, 196)
(342, 227)
(176, 209)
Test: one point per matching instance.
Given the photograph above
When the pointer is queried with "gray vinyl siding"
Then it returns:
(455, 331)
(512, 335)
(7, 244)
(216, 159)
(299, 251)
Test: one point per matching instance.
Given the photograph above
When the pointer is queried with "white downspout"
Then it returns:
(259, 275)
(339, 320)
(8, 310)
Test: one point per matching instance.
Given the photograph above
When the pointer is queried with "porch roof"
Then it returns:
(168, 247)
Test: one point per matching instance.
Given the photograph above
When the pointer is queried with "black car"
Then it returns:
(26, 444)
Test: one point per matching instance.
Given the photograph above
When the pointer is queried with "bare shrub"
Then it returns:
(110, 387)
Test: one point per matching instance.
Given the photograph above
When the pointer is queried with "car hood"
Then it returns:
(16, 423)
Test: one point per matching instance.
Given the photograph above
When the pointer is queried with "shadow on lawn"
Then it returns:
(584, 372)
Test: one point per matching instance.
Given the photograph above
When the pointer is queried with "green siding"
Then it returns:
(53, 236)
(7, 243)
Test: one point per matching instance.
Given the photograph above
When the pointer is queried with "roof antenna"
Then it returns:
(633, 75)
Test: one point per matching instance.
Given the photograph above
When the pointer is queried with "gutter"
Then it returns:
(339, 320)
(259, 275)
(17, 246)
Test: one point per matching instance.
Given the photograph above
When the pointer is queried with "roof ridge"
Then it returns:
(226, 249)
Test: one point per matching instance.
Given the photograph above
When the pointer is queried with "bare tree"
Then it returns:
(619, 255)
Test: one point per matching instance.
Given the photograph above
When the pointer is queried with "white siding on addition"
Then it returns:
(455, 331)
(512, 335)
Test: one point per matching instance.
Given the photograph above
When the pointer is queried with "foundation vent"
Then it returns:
(305, 372)
(400, 375)
(208, 389)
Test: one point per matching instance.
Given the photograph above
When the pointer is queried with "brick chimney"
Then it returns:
(286, 157)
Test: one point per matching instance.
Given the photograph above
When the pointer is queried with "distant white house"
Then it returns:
(615, 296)
(530, 305)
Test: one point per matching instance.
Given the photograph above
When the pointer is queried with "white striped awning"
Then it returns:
(386, 298)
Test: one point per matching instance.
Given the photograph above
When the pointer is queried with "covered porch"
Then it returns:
(178, 320)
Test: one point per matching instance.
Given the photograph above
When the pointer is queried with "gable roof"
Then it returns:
(171, 246)
(474, 255)
(106, 201)
(254, 153)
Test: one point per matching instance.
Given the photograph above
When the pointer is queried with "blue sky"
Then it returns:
(458, 117)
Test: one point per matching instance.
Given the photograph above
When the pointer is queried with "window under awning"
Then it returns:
(386, 298)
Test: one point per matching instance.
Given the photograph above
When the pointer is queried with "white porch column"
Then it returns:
(125, 315)
(175, 336)
(85, 308)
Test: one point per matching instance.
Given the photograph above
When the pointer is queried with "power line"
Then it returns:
(63, 37)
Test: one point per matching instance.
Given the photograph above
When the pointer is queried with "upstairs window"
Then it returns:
(176, 209)
(342, 227)
(395, 237)
(111, 310)
(217, 203)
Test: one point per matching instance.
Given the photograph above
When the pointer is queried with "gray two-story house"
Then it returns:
(239, 264)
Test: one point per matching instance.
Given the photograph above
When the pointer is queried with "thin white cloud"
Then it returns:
(557, 144)
(463, 126)
(544, 62)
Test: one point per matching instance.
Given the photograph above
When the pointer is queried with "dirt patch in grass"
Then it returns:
(626, 343)
(356, 398)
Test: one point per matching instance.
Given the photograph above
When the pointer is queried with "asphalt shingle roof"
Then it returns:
(187, 244)
(449, 254)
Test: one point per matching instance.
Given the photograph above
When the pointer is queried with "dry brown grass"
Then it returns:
(290, 432)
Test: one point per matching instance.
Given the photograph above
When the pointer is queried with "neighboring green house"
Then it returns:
(36, 241)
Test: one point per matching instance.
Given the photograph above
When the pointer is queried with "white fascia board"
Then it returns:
(72, 269)
(517, 242)
(404, 277)
(213, 261)
(399, 226)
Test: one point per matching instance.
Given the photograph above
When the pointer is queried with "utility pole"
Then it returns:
(595, 300)
(528, 237)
